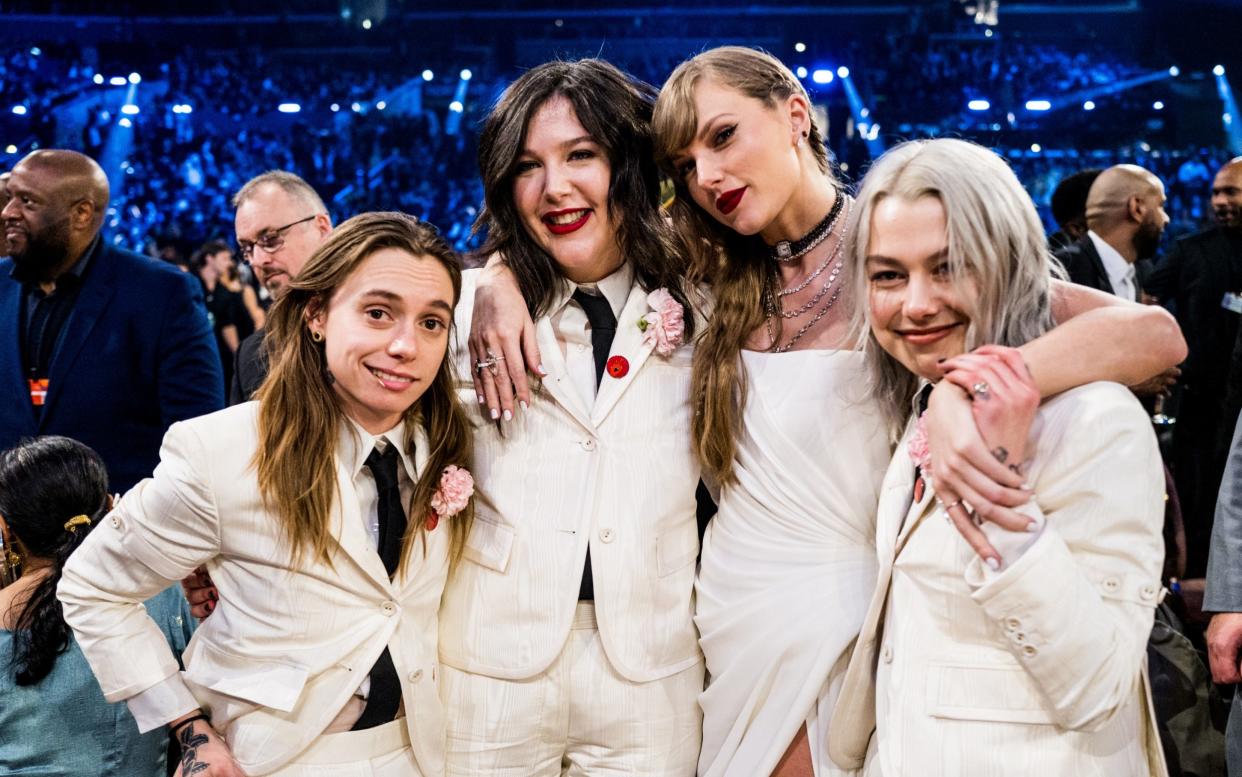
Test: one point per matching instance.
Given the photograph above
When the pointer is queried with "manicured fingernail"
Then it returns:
(495, 414)
(211, 606)
(508, 416)
(541, 371)
(481, 399)
(993, 564)
(1032, 527)
(524, 405)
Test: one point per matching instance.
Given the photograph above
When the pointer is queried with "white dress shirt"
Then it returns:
(1120, 272)
(147, 706)
(573, 329)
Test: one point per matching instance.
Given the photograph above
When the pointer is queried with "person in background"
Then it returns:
(54, 718)
(1069, 207)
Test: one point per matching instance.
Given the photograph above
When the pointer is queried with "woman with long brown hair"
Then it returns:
(783, 420)
(326, 512)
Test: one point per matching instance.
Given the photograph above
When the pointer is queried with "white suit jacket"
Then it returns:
(284, 649)
(1039, 669)
(620, 476)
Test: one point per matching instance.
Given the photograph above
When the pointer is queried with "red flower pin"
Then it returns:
(618, 366)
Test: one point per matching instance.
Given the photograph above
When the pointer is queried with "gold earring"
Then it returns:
(10, 567)
(317, 336)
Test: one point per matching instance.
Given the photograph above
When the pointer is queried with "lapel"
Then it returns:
(351, 535)
(421, 453)
(1097, 264)
(93, 299)
(628, 343)
(10, 314)
(898, 513)
(557, 383)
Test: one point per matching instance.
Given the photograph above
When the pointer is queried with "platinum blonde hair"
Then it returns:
(993, 236)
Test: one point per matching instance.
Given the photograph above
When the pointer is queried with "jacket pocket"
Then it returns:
(267, 682)
(676, 549)
(489, 544)
(997, 693)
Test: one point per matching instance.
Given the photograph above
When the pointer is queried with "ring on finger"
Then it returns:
(981, 389)
(495, 357)
(486, 364)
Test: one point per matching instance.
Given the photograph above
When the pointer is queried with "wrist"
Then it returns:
(189, 719)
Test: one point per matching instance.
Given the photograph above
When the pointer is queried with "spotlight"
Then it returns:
(1227, 118)
(456, 106)
(843, 72)
(381, 105)
(822, 76)
(356, 108)
(129, 109)
(289, 108)
(98, 78)
(799, 47)
(1089, 105)
(1038, 105)
(466, 75)
(1158, 105)
(117, 80)
(865, 112)
(1036, 148)
(35, 51)
(801, 71)
(1219, 70)
(125, 122)
(134, 78)
(10, 149)
(978, 105)
(336, 107)
(20, 110)
(428, 75)
(1175, 71)
(366, 24)
(987, 33)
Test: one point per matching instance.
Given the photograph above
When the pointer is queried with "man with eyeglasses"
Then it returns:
(100, 344)
(280, 221)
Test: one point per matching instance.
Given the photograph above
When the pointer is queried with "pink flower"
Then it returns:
(665, 326)
(920, 453)
(456, 488)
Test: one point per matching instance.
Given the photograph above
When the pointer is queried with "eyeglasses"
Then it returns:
(270, 241)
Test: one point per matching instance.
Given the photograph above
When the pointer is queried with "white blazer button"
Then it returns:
(606, 535)
(887, 654)
(1111, 584)
(1019, 637)
(1148, 591)
(416, 675)
(1030, 651)
(116, 522)
(388, 608)
(1012, 624)
(588, 444)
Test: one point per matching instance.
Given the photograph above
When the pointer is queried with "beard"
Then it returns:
(1147, 240)
(42, 253)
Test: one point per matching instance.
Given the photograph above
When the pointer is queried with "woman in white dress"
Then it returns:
(788, 562)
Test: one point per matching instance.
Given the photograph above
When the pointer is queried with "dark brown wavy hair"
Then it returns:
(299, 416)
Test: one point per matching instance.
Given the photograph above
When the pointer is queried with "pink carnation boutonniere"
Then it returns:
(456, 488)
(920, 454)
(664, 327)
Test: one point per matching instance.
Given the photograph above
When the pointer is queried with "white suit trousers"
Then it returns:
(579, 717)
(383, 751)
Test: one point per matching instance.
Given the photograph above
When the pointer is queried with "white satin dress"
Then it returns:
(789, 561)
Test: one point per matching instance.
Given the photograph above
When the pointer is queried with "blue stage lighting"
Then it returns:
(1175, 71)
(801, 71)
(356, 108)
(428, 75)
(98, 78)
(456, 106)
(366, 24)
(381, 105)
(822, 76)
(1036, 148)
(1219, 70)
(10, 149)
(843, 72)
(1089, 105)
(20, 110)
(129, 109)
(134, 78)
(117, 80)
(125, 122)
(1158, 105)
(35, 51)
(289, 108)
(336, 107)
(978, 105)
(799, 47)
(466, 75)
(1038, 105)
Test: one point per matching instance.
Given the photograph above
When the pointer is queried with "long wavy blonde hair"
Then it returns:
(299, 413)
(994, 237)
(736, 266)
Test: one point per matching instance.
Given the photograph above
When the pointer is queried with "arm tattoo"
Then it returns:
(190, 742)
(1001, 454)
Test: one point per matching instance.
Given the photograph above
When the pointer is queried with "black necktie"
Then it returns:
(603, 329)
(385, 695)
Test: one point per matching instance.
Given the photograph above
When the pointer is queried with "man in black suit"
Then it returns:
(280, 221)
(1125, 219)
(96, 343)
(1200, 280)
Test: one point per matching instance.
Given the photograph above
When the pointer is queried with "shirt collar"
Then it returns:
(1115, 264)
(355, 444)
(615, 288)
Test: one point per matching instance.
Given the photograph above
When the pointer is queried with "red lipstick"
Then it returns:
(728, 202)
(566, 228)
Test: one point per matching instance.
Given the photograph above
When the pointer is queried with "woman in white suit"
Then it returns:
(1031, 663)
(321, 655)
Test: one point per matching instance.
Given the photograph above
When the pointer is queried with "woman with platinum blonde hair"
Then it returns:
(782, 422)
(1033, 662)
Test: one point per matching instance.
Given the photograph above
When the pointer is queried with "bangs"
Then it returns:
(675, 120)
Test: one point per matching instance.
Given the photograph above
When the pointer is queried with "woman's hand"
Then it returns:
(962, 435)
(1003, 399)
(204, 753)
(501, 329)
(201, 593)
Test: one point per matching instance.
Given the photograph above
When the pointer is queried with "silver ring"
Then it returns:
(494, 357)
(981, 389)
(486, 364)
(950, 506)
